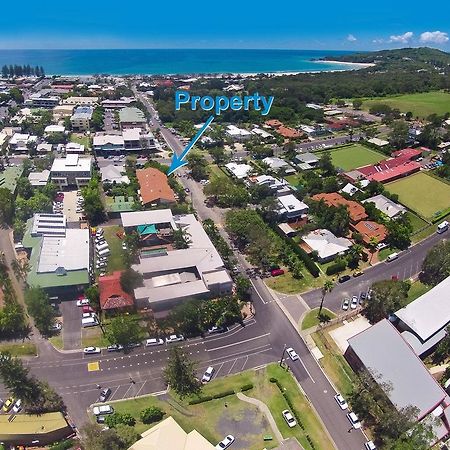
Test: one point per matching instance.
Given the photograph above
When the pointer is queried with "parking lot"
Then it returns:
(71, 331)
(70, 206)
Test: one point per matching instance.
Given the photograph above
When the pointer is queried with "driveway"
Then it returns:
(70, 206)
(71, 331)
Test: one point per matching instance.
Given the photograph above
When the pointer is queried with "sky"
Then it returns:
(300, 24)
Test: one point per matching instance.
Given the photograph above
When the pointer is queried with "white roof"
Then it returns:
(105, 139)
(385, 205)
(114, 174)
(72, 163)
(275, 163)
(44, 148)
(378, 142)
(264, 134)
(55, 129)
(290, 203)
(135, 218)
(349, 189)
(239, 170)
(325, 243)
(45, 224)
(74, 147)
(131, 134)
(39, 178)
(429, 313)
(233, 130)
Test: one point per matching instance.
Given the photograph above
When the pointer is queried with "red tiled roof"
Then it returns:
(290, 133)
(112, 296)
(369, 229)
(154, 186)
(273, 123)
(391, 174)
(409, 153)
(355, 210)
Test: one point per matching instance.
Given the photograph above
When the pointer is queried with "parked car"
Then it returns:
(346, 304)
(362, 297)
(8, 404)
(225, 443)
(341, 401)
(292, 354)
(104, 394)
(88, 314)
(214, 330)
(358, 273)
(369, 445)
(82, 302)
(392, 257)
(353, 419)
(276, 272)
(344, 278)
(102, 409)
(57, 326)
(114, 348)
(354, 302)
(289, 418)
(174, 338)
(154, 341)
(208, 374)
(92, 350)
(381, 245)
(17, 406)
(87, 309)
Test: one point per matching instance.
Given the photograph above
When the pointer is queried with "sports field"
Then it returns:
(353, 156)
(422, 193)
(421, 105)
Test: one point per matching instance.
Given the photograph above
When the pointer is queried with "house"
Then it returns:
(112, 297)
(44, 148)
(154, 187)
(131, 117)
(59, 256)
(370, 231)
(50, 129)
(114, 175)
(39, 179)
(289, 133)
(278, 164)
(278, 187)
(71, 171)
(325, 244)
(169, 435)
(239, 170)
(81, 118)
(306, 160)
(290, 207)
(386, 206)
(422, 323)
(273, 123)
(349, 189)
(81, 101)
(262, 133)
(384, 354)
(20, 142)
(174, 275)
(238, 134)
(108, 143)
(74, 147)
(62, 111)
(378, 142)
(355, 210)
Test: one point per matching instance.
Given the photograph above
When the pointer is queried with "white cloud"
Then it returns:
(351, 38)
(435, 37)
(377, 41)
(402, 38)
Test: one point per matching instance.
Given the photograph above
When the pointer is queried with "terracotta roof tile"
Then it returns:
(154, 186)
(112, 295)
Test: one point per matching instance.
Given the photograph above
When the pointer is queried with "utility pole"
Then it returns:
(282, 356)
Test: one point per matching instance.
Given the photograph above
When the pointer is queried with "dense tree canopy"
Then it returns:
(436, 266)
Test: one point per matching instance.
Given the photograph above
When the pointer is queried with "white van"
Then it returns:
(104, 252)
(89, 322)
(443, 226)
(100, 247)
(392, 256)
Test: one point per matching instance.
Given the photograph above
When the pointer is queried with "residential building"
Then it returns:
(278, 164)
(355, 210)
(81, 101)
(62, 111)
(289, 133)
(81, 118)
(59, 256)
(262, 133)
(325, 244)
(378, 142)
(174, 275)
(169, 435)
(71, 171)
(131, 117)
(39, 179)
(114, 175)
(278, 187)
(370, 231)
(117, 104)
(44, 148)
(273, 123)
(290, 207)
(383, 353)
(54, 129)
(306, 160)
(423, 322)
(74, 147)
(349, 189)
(112, 297)
(386, 206)
(108, 143)
(238, 134)
(154, 187)
(20, 142)
(41, 100)
(240, 171)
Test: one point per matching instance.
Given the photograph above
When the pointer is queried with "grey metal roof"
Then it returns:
(389, 359)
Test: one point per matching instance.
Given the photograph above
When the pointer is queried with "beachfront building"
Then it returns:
(71, 171)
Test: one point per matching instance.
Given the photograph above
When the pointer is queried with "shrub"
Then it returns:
(336, 267)
(246, 387)
(198, 400)
(151, 414)
(223, 394)
(114, 419)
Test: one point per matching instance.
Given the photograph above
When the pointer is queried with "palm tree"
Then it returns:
(327, 287)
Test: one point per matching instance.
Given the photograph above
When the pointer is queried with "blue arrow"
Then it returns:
(178, 161)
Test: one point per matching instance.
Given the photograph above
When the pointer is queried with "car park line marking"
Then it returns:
(231, 368)
(245, 362)
(115, 392)
(218, 370)
(238, 355)
(93, 366)
(139, 391)
(238, 343)
(129, 387)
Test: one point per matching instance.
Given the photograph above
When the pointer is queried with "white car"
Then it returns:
(17, 406)
(88, 314)
(353, 419)
(354, 302)
(124, 246)
(225, 443)
(292, 354)
(345, 304)
(154, 341)
(92, 350)
(369, 445)
(82, 302)
(57, 326)
(114, 348)
(289, 418)
(174, 338)
(341, 401)
(208, 374)
(102, 409)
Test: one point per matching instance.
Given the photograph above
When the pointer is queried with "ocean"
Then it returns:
(171, 61)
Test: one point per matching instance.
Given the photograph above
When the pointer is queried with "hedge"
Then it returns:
(224, 394)
(246, 387)
(336, 267)
(198, 400)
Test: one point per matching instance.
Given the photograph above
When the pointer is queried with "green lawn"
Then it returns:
(80, 139)
(422, 104)
(416, 290)
(57, 341)
(383, 254)
(208, 417)
(287, 284)
(417, 222)
(115, 260)
(22, 349)
(294, 180)
(311, 319)
(353, 156)
(422, 193)
(93, 337)
(216, 172)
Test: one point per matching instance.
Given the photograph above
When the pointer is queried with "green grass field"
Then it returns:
(115, 260)
(422, 193)
(311, 319)
(421, 105)
(353, 156)
(417, 223)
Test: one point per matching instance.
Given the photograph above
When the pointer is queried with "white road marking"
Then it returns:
(238, 343)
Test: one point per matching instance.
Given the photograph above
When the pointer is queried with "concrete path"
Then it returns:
(265, 410)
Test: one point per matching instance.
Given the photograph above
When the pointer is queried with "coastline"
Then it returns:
(346, 63)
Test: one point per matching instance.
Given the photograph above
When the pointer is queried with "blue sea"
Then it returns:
(171, 61)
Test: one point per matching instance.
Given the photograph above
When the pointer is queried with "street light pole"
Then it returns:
(282, 356)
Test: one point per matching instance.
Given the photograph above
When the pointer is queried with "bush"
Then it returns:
(224, 394)
(114, 419)
(336, 267)
(246, 387)
(151, 414)
(198, 400)
(273, 380)
(63, 445)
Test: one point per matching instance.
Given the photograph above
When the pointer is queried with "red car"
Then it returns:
(276, 272)
(87, 309)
